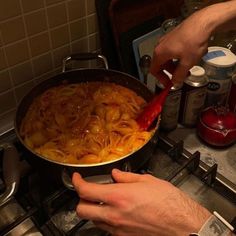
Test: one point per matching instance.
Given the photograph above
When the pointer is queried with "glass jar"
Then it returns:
(170, 24)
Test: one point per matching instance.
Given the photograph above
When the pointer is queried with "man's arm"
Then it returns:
(188, 42)
(139, 205)
(223, 16)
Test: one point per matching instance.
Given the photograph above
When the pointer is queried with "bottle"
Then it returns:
(193, 96)
(170, 111)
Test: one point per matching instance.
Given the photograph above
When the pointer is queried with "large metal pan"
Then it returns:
(131, 162)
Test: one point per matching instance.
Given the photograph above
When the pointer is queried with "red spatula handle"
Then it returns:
(154, 107)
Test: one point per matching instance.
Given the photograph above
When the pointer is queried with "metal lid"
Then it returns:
(219, 57)
(197, 77)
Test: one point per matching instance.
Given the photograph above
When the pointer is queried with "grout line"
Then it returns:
(7, 91)
(8, 68)
(49, 34)
(68, 25)
(87, 29)
(24, 83)
(91, 14)
(15, 42)
(35, 57)
(42, 32)
(87, 26)
(9, 73)
(30, 12)
(8, 111)
(27, 39)
(7, 64)
(51, 50)
(5, 56)
(53, 4)
(22, 13)
(31, 80)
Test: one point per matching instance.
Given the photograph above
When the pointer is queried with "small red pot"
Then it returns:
(217, 126)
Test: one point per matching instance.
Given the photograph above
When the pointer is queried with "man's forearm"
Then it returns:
(221, 16)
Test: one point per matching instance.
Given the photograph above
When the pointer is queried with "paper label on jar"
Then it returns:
(170, 112)
(218, 86)
(218, 92)
(194, 103)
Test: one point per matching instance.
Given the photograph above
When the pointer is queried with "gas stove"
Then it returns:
(41, 207)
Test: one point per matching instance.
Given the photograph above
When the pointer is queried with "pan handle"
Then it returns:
(99, 179)
(11, 171)
(84, 57)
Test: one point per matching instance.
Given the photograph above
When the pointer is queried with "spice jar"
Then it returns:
(193, 96)
(170, 111)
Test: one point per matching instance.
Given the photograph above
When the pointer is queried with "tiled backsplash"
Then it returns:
(34, 38)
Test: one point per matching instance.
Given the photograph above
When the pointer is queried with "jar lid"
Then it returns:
(197, 77)
(220, 57)
(197, 71)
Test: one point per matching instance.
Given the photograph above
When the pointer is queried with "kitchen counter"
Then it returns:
(225, 158)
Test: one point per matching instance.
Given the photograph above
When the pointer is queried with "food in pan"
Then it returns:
(84, 123)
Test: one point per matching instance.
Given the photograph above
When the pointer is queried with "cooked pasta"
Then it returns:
(84, 123)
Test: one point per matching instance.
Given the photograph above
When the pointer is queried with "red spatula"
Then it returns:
(154, 107)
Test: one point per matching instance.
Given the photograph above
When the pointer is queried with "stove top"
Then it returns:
(203, 183)
(48, 208)
(225, 158)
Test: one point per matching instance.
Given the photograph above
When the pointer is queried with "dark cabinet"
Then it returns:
(121, 21)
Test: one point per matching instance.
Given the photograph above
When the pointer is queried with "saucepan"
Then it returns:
(130, 162)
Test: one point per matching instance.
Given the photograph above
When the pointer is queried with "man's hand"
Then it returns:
(138, 205)
(187, 43)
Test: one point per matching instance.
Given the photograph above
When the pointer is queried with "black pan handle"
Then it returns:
(11, 171)
(99, 179)
(84, 57)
